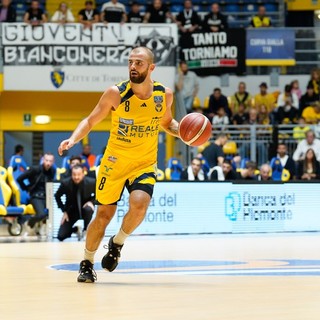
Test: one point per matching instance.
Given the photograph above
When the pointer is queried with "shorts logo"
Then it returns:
(112, 159)
(107, 169)
(232, 205)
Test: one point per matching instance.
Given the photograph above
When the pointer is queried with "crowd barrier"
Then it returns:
(216, 207)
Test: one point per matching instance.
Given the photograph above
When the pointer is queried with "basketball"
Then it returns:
(195, 129)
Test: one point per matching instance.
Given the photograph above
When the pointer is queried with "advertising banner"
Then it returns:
(270, 47)
(207, 207)
(213, 53)
(36, 54)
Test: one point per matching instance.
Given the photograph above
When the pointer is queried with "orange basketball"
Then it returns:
(195, 129)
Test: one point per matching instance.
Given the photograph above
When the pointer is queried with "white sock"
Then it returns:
(120, 237)
(89, 255)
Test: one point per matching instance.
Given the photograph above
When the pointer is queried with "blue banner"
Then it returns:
(270, 47)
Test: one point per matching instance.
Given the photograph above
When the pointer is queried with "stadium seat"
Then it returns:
(174, 169)
(243, 163)
(98, 160)
(278, 172)
(160, 175)
(7, 211)
(231, 8)
(271, 7)
(206, 102)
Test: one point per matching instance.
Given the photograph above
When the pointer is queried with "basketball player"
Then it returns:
(138, 107)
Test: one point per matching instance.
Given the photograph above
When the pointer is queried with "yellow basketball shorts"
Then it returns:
(116, 172)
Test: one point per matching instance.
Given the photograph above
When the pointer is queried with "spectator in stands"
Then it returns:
(87, 154)
(7, 11)
(35, 15)
(287, 113)
(37, 177)
(194, 171)
(309, 168)
(315, 80)
(283, 97)
(220, 118)
(187, 85)
(215, 21)
(216, 100)
(261, 20)
(158, 12)
(225, 173)
(299, 131)
(73, 161)
(308, 99)
(249, 172)
(135, 16)
(18, 150)
(295, 88)
(113, 11)
(63, 14)
(88, 15)
(79, 193)
(263, 115)
(310, 141)
(213, 153)
(286, 161)
(311, 114)
(241, 117)
(265, 173)
(188, 20)
(264, 98)
(241, 96)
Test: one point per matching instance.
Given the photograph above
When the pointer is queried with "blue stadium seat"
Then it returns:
(174, 169)
(252, 8)
(277, 169)
(231, 8)
(271, 7)
(176, 8)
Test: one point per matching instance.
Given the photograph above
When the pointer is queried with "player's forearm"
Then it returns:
(81, 131)
(172, 128)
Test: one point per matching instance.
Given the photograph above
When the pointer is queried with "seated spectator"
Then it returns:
(7, 11)
(308, 99)
(89, 15)
(224, 173)
(295, 88)
(241, 117)
(35, 15)
(249, 172)
(264, 98)
(261, 20)
(287, 113)
(241, 96)
(63, 14)
(158, 12)
(263, 115)
(214, 153)
(285, 160)
(311, 114)
(216, 100)
(86, 153)
(135, 16)
(220, 118)
(215, 21)
(73, 161)
(194, 172)
(265, 173)
(310, 141)
(113, 11)
(79, 193)
(299, 131)
(188, 19)
(283, 97)
(315, 80)
(309, 168)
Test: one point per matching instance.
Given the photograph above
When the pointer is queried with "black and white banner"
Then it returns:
(214, 53)
(61, 53)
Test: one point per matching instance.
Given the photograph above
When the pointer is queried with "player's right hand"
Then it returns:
(65, 145)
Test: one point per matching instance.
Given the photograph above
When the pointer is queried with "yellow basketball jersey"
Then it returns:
(136, 123)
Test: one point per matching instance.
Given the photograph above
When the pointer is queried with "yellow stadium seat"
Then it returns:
(206, 102)
(230, 148)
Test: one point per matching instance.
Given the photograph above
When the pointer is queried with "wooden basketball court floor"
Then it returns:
(255, 276)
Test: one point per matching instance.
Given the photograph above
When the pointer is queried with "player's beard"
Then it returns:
(139, 77)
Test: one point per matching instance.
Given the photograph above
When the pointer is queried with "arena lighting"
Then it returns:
(42, 119)
(317, 13)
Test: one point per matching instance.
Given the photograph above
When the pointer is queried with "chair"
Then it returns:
(174, 169)
(98, 160)
(278, 172)
(206, 102)
(8, 212)
(160, 175)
